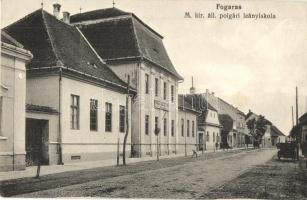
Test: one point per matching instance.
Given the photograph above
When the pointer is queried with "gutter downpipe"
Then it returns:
(60, 117)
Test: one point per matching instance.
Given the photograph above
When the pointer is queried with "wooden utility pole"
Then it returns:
(296, 103)
(297, 137)
(127, 122)
(292, 117)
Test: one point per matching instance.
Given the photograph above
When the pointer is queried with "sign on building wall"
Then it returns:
(161, 105)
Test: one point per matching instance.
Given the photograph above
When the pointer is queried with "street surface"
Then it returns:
(169, 178)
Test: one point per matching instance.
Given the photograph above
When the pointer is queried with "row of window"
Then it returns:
(214, 138)
(157, 88)
(75, 115)
(188, 128)
(157, 125)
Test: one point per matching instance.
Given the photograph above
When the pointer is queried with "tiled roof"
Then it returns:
(55, 43)
(97, 14)
(200, 102)
(184, 102)
(124, 36)
(275, 131)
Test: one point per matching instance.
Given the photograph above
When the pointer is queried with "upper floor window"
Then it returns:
(193, 129)
(74, 111)
(172, 93)
(146, 124)
(173, 127)
(188, 128)
(93, 114)
(156, 87)
(146, 83)
(182, 127)
(108, 120)
(122, 117)
(165, 126)
(164, 90)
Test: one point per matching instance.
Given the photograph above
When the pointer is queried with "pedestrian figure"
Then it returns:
(194, 152)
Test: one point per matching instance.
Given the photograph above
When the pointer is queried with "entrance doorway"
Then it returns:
(200, 141)
(37, 142)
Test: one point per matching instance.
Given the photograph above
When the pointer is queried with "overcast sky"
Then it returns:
(252, 64)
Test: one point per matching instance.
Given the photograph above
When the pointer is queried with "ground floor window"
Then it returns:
(122, 117)
(146, 124)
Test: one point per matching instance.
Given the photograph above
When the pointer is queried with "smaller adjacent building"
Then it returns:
(208, 131)
(187, 123)
(12, 103)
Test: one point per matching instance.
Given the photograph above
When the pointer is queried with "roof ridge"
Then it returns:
(50, 38)
(136, 38)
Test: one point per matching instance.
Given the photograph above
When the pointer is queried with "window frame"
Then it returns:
(156, 87)
(108, 117)
(122, 118)
(146, 83)
(156, 122)
(165, 127)
(164, 90)
(182, 127)
(146, 124)
(173, 128)
(74, 112)
(188, 128)
(172, 93)
(94, 114)
(193, 128)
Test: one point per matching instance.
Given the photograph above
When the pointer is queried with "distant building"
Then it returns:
(75, 102)
(133, 49)
(12, 103)
(187, 120)
(272, 135)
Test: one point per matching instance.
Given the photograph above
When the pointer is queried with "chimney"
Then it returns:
(192, 89)
(66, 17)
(56, 10)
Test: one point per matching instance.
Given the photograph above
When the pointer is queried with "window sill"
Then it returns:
(3, 138)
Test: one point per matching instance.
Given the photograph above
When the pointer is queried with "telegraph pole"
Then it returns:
(297, 136)
(296, 103)
(292, 117)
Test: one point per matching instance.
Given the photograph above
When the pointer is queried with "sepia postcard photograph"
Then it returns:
(153, 99)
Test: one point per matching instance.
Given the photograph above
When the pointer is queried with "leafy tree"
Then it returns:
(227, 123)
(257, 128)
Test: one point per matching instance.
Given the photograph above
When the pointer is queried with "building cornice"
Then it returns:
(16, 51)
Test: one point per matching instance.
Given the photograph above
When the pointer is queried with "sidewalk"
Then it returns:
(53, 169)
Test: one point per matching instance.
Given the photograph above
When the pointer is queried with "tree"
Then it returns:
(257, 128)
(127, 123)
(227, 123)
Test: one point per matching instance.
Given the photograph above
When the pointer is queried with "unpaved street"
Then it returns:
(189, 180)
